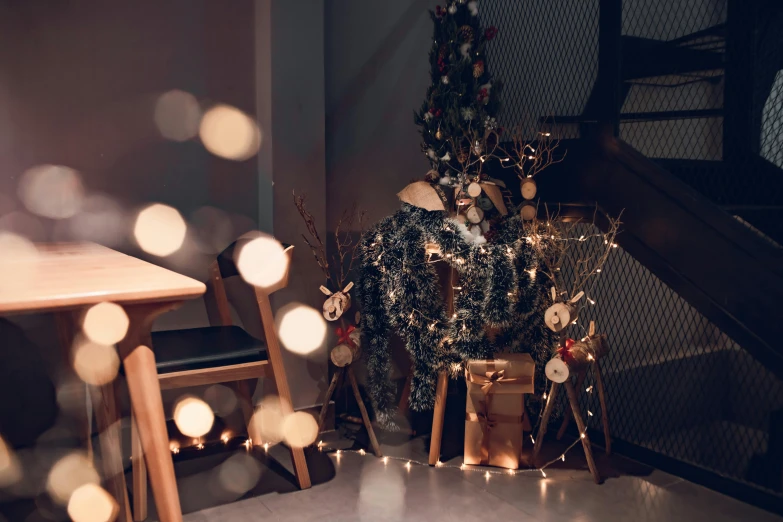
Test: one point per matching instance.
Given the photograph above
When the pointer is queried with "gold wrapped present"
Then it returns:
(495, 409)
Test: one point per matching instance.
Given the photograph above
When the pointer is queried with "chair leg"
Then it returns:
(437, 418)
(244, 392)
(139, 474)
(599, 384)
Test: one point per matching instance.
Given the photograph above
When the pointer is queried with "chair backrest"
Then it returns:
(217, 298)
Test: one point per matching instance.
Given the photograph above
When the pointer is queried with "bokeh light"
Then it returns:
(51, 191)
(68, 474)
(262, 261)
(229, 133)
(10, 470)
(92, 503)
(17, 261)
(302, 328)
(95, 363)
(299, 429)
(193, 417)
(105, 323)
(266, 425)
(239, 474)
(160, 230)
(221, 399)
(177, 115)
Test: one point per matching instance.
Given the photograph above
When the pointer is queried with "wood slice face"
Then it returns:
(475, 215)
(528, 210)
(341, 355)
(336, 305)
(559, 315)
(474, 190)
(557, 371)
(528, 188)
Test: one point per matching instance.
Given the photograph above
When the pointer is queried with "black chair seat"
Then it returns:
(208, 347)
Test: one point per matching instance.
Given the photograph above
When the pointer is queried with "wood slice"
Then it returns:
(475, 214)
(344, 354)
(556, 370)
(559, 315)
(474, 190)
(336, 305)
(528, 210)
(528, 188)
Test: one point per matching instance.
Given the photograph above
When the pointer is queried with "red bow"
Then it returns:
(345, 337)
(565, 351)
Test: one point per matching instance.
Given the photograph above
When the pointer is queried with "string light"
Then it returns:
(362, 452)
(544, 396)
(543, 474)
(582, 435)
(590, 301)
(408, 465)
(225, 438)
(589, 413)
(562, 457)
(438, 464)
(589, 389)
(385, 460)
(266, 446)
(486, 475)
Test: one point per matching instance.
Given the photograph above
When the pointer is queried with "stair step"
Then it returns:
(646, 58)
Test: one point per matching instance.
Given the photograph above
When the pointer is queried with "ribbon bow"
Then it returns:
(344, 337)
(490, 379)
(565, 351)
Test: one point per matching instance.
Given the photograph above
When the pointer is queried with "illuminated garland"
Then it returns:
(398, 289)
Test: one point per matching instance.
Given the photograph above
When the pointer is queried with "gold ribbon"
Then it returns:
(492, 378)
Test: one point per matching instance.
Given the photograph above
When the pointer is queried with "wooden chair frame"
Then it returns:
(242, 378)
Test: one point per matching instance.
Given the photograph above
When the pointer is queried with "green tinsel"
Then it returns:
(399, 289)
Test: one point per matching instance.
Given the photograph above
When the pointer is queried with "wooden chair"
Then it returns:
(221, 353)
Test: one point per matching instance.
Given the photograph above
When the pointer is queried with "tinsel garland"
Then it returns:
(399, 289)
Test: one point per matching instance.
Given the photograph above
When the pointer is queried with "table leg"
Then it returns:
(107, 419)
(142, 377)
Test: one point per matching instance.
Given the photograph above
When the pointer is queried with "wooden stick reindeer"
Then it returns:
(348, 349)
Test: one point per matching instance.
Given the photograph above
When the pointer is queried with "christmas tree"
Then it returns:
(457, 119)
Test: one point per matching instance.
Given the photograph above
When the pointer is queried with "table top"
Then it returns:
(72, 275)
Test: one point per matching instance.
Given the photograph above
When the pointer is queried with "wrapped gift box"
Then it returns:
(495, 409)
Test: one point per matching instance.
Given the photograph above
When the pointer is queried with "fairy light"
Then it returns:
(592, 302)
(562, 457)
(532, 439)
(225, 437)
(589, 413)
(200, 445)
(542, 473)
(486, 475)
(362, 452)
(582, 435)
(385, 460)
(598, 270)
(462, 466)
(590, 357)
(248, 444)
(408, 465)
(589, 389)
(544, 396)
(438, 464)
(266, 446)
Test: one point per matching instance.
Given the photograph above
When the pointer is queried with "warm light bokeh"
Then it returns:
(302, 328)
(177, 115)
(299, 429)
(68, 474)
(160, 230)
(91, 503)
(266, 425)
(95, 363)
(262, 261)
(10, 470)
(193, 417)
(239, 474)
(229, 133)
(105, 323)
(51, 191)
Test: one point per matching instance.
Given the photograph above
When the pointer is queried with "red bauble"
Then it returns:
(491, 32)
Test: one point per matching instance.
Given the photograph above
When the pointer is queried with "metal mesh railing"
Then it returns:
(677, 385)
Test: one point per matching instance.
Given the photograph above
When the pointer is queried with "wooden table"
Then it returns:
(66, 278)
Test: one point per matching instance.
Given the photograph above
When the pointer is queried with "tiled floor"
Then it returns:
(353, 487)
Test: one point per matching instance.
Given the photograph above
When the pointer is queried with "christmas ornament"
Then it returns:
(478, 68)
(338, 302)
(466, 33)
(473, 8)
(445, 80)
(477, 150)
(431, 154)
(446, 157)
(468, 113)
(491, 32)
(438, 134)
(490, 123)
(464, 50)
(452, 9)
(483, 96)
